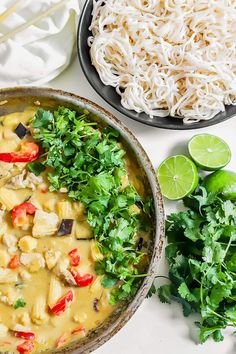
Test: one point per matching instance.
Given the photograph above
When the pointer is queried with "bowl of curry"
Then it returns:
(81, 223)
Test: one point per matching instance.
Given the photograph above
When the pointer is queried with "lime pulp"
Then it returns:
(178, 177)
(209, 152)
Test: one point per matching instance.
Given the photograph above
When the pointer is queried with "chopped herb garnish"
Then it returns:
(36, 167)
(202, 262)
(89, 162)
(19, 303)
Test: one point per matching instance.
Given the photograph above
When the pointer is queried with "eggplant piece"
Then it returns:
(96, 305)
(21, 131)
(140, 244)
(65, 227)
(139, 204)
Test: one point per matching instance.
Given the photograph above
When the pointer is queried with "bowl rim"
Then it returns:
(145, 163)
(169, 122)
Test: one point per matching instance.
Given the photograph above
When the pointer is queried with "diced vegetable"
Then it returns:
(82, 280)
(63, 304)
(24, 335)
(61, 341)
(10, 198)
(95, 305)
(55, 291)
(51, 258)
(65, 210)
(39, 314)
(14, 262)
(65, 227)
(7, 276)
(95, 252)
(96, 287)
(140, 244)
(74, 257)
(33, 261)
(20, 130)
(19, 214)
(28, 152)
(80, 317)
(25, 347)
(83, 230)
(45, 224)
(27, 244)
(78, 330)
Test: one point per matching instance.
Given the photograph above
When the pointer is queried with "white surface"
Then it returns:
(45, 48)
(156, 328)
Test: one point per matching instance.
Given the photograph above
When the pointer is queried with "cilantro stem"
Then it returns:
(229, 243)
(140, 275)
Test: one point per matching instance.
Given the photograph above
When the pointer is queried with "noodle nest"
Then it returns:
(167, 57)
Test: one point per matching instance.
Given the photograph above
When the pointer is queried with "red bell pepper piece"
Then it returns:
(74, 257)
(63, 304)
(61, 341)
(24, 335)
(78, 330)
(28, 152)
(82, 280)
(19, 214)
(25, 347)
(14, 262)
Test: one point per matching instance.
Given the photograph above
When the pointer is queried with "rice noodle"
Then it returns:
(167, 57)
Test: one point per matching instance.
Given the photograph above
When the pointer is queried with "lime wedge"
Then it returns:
(178, 177)
(222, 181)
(209, 152)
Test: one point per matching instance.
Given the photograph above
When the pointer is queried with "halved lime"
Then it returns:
(178, 177)
(222, 181)
(209, 152)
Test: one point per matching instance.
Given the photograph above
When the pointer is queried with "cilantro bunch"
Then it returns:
(202, 262)
(89, 162)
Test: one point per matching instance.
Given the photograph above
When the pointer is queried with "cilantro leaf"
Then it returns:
(42, 118)
(152, 291)
(19, 303)
(36, 168)
(108, 282)
(164, 293)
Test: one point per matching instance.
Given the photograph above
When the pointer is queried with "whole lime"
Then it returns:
(221, 181)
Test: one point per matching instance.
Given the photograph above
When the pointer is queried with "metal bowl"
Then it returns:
(109, 94)
(17, 99)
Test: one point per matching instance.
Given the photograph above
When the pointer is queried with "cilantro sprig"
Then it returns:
(89, 162)
(202, 262)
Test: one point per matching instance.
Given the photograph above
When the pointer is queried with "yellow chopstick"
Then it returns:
(38, 18)
(11, 10)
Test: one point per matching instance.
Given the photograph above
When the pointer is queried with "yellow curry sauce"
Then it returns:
(40, 279)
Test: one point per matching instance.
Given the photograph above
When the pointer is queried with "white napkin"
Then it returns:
(41, 51)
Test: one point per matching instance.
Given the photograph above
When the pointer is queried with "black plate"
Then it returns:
(109, 94)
